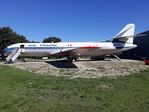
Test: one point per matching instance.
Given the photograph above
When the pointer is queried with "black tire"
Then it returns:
(97, 58)
(72, 59)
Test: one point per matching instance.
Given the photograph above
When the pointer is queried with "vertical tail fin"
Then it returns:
(126, 34)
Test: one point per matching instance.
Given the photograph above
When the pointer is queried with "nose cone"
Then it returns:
(6, 51)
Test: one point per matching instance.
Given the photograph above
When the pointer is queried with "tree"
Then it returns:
(51, 40)
(8, 37)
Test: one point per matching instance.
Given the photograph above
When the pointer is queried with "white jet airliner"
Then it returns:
(121, 42)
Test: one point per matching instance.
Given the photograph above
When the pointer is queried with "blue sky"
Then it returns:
(73, 20)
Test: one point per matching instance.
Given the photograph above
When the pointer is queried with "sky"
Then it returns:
(73, 20)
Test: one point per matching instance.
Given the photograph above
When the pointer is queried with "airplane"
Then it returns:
(123, 41)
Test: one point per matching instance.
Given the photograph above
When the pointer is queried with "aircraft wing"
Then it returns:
(63, 51)
(74, 51)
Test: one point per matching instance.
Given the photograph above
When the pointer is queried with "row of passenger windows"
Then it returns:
(48, 45)
(45, 47)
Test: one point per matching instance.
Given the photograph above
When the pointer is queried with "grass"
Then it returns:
(21, 91)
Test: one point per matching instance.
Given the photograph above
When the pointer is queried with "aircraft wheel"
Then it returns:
(97, 58)
(72, 59)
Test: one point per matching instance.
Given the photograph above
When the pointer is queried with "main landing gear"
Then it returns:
(71, 58)
(97, 58)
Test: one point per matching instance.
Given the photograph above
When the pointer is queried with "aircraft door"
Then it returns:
(22, 48)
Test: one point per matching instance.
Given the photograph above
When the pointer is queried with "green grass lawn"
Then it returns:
(21, 91)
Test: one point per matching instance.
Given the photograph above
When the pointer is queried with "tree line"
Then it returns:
(8, 37)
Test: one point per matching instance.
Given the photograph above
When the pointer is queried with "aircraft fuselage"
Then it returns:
(73, 48)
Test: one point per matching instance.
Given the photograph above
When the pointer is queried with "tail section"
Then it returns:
(126, 34)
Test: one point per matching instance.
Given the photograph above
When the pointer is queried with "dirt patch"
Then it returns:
(83, 69)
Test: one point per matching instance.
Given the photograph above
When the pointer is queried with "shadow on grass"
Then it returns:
(67, 64)
(62, 64)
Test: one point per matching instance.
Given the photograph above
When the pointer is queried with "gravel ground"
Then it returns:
(83, 69)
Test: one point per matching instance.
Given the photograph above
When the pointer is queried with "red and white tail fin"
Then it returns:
(126, 34)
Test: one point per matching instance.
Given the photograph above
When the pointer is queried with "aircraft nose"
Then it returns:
(6, 52)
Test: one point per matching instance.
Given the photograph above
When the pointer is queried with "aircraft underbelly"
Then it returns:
(99, 52)
(88, 52)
